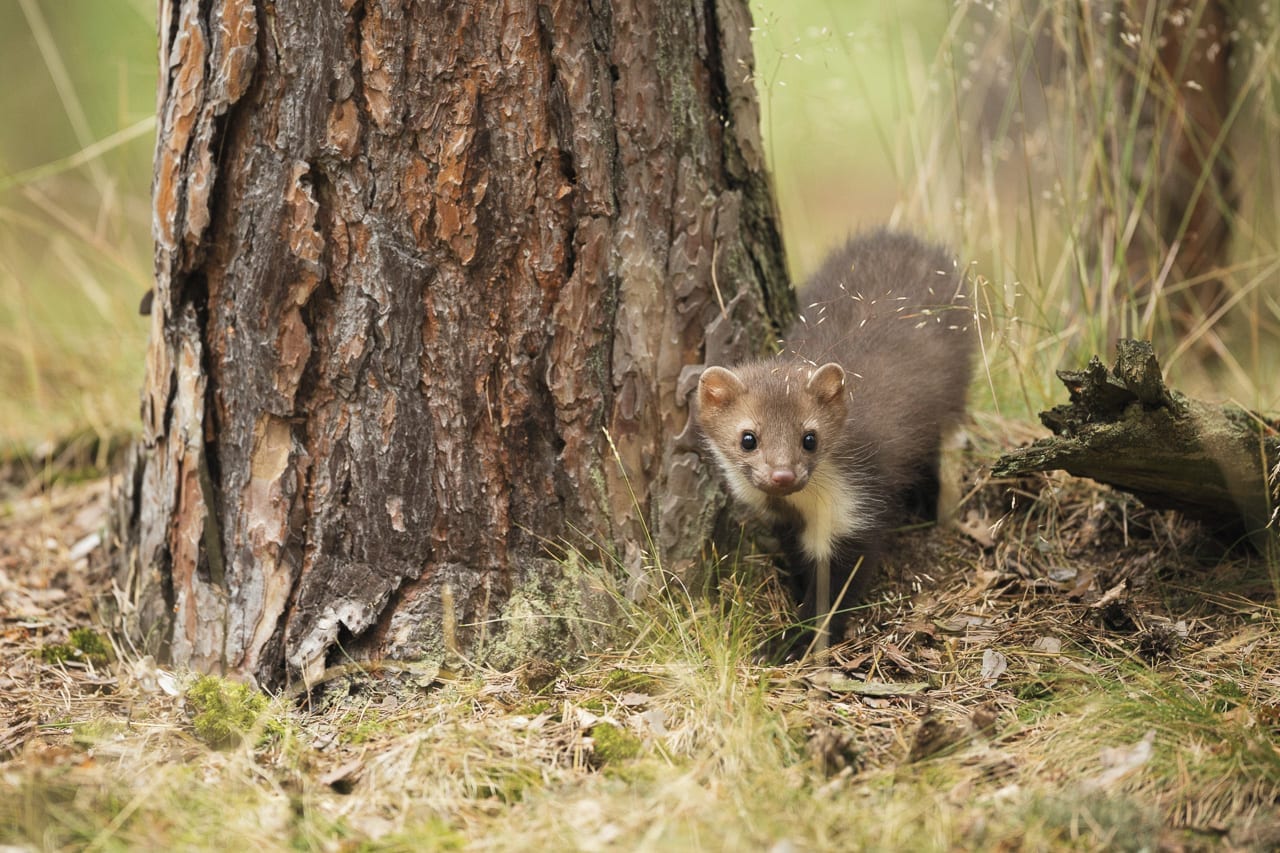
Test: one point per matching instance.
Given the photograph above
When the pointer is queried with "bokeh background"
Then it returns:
(75, 246)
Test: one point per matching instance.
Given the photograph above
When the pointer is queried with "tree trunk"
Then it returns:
(412, 260)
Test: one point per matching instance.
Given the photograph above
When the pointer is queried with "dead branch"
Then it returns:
(1124, 427)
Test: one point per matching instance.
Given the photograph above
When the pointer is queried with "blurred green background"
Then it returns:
(864, 110)
(75, 244)
(842, 88)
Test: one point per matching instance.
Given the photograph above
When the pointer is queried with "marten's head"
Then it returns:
(771, 424)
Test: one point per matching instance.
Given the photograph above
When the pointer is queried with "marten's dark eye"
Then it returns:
(749, 441)
(810, 441)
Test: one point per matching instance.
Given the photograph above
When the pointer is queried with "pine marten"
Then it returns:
(836, 439)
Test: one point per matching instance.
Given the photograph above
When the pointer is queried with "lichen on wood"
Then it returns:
(1124, 427)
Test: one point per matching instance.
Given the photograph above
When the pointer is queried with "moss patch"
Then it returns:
(226, 711)
(84, 644)
(614, 744)
(628, 681)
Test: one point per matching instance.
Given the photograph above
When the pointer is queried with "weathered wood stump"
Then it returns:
(1124, 427)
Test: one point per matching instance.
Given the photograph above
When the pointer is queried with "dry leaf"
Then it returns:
(1109, 596)
(1120, 761)
(1049, 645)
(978, 528)
(994, 665)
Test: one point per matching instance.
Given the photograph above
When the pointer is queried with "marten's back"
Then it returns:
(891, 310)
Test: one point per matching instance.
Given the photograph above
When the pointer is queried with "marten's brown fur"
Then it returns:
(830, 441)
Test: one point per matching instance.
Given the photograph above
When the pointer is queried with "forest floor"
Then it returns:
(1061, 669)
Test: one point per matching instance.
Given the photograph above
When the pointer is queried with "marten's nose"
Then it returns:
(782, 477)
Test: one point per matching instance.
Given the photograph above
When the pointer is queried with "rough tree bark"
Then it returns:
(1125, 428)
(412, 259)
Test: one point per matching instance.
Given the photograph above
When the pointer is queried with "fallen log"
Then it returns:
(1124, 427)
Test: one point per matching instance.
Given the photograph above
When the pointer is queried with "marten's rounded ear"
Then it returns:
(827, 382)
(719, 386)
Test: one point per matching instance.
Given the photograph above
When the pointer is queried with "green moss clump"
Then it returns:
(624, 680)
(226, 711)
(84, 644)
(614, 744)
(56, 653)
